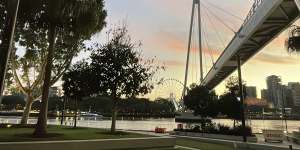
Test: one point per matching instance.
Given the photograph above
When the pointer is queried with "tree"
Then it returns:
(230, 106)
(230, 102)
(293, 41)
(80, 18)
(202, 101)
(119, 71)
(28, 69)
(75, 84)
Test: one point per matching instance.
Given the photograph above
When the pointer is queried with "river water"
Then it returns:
(150, 124)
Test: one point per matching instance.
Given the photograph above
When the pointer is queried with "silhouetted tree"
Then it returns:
(230, 104)
(76, 84)
(119, 69)
(202, 101)
(81, 18)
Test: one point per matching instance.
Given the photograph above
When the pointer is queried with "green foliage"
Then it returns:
(82, 18)
(231, 106)
(76, 85)
(118, 69)
(3, 16)
(131, 106)
(213, 128)
(230, 102)
(202, 101)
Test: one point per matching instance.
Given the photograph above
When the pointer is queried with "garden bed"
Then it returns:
(251, 139)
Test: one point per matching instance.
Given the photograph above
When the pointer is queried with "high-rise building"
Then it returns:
(251, 92)
(295, 90)
(54, 91)
(275, 91)
(264, 94)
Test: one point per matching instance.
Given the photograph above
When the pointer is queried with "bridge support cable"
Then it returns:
(298, 3)
(242, 97)
(196, 3)
(218, 34)
(224, 11)
(219, 19)
(208, 45)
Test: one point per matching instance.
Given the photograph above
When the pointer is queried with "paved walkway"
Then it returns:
(259, 136)
(285, 143)
(186, 148)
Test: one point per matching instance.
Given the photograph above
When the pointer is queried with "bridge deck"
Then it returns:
(263, 24)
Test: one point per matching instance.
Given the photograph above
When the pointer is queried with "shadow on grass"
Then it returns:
(120, 133)
(47, 136)
(72, 128)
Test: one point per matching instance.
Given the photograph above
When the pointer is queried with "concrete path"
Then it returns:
(259, 136)
(285, 143)
(187, 148)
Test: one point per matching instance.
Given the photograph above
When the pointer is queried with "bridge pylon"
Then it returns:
(196, 5)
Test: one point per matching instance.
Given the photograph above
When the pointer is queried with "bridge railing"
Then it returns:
(253, 9)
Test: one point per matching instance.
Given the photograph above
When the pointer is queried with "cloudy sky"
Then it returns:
(162, 26)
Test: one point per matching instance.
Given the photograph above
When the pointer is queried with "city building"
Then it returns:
(295, 90)
(55, 91)
(264, 94)
(251, 91)
(287, 100)
(275, 91)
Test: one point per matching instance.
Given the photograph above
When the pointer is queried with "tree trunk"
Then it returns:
(7, 41)
(41, 127)
(27, 110)
(234, 123)
(76, 113)
(63, 112)
(114, 116)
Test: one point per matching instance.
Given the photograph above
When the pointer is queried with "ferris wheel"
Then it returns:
(170, 89)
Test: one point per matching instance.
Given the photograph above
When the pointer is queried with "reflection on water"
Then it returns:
(150, 124)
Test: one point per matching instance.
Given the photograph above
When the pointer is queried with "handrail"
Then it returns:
(252, 10)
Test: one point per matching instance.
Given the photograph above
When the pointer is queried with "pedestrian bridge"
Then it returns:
(265, 21)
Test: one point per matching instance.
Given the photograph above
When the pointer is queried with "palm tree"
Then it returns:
(293, 42)
(82, 18)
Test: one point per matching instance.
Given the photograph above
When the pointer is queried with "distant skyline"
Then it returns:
(162, 27)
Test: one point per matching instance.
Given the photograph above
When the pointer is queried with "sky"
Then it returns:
(162, 26)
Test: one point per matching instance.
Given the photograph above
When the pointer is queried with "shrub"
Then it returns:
(212, 128)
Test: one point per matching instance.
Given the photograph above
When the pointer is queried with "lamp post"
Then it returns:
(241, 92)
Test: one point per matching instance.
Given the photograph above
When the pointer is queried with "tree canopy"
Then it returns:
(78, 19)
(75, 81)
(119, 69)
(202, 101)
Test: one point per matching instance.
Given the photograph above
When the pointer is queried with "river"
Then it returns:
(150, 123)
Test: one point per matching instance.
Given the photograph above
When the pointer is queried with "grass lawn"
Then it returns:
(199, 145)
(62, 133)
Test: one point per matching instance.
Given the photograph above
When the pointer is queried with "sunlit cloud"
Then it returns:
(275, 59)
